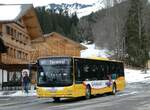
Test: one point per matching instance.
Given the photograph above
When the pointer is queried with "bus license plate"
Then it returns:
(53, 90)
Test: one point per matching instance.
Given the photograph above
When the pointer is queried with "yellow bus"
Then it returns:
(66, 77)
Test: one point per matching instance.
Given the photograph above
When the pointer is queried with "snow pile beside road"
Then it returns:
(20, 93)
(17, 93)
(132, 76)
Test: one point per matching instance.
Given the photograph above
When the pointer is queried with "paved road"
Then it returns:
(135, 97)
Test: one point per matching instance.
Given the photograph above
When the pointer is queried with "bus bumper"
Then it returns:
(49, 92)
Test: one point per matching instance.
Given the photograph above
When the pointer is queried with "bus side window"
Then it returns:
(94, 72)
(113, 71)
(100, 75)
(86, 72)
(78, 76)
(103, 75)
(120, 70)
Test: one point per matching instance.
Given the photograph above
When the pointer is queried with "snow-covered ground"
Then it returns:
(17, 93)
(133, 76)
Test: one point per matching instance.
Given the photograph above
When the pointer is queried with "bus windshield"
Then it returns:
(54, 73)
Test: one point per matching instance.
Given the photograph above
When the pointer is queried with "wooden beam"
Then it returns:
(31, 27)
(28, 17)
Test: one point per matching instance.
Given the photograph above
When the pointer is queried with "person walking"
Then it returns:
(26, 81)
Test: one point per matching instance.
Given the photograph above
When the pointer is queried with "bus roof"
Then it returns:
(99, 58)
(90, 58)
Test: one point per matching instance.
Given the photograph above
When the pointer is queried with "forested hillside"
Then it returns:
(123, 28)
(60, 22)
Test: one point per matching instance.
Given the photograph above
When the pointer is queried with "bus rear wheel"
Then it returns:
(56, 99)
(114, 89)
(88, 92)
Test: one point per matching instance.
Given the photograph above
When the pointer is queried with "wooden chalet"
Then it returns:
(55, 44)
(22, 35)
(17, 31)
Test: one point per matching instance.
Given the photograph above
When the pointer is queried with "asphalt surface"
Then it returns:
(136, 96)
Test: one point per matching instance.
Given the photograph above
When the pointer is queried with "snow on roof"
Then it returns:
(9, 12)
(12, 12)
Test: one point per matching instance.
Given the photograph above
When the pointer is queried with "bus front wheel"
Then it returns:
(88, 92)
(56, 99)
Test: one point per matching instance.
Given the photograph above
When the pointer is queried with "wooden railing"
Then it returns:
(6, 59)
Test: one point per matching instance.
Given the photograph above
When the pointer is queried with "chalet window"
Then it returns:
(8, 30)
(14, 51)
(21, 39)
(11, 31)
(18, 54)
(20, 21)
(26, 56)
(20, 36)
(1, 34)
(14, 33)
(23, 55)
(8, 51)
(17, 38)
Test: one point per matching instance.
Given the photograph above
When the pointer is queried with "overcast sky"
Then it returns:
(45, 2)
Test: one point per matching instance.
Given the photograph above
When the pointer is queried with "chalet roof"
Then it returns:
(65, 38)
(38, 40)
(13, 12)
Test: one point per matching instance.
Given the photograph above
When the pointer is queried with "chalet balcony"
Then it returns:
(6, 59)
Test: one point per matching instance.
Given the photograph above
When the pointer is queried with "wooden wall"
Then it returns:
(40, 49)
(61, 46)
(16, 38)
(55, 46)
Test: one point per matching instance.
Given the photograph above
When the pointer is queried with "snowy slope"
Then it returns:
(92, 51)
(80, 9)
(88, 10)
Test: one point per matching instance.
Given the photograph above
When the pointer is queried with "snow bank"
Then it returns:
(20, 93)
(17, 93)
(133, 76)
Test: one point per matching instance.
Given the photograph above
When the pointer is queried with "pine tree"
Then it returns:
(61, 22)
(136, 40)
